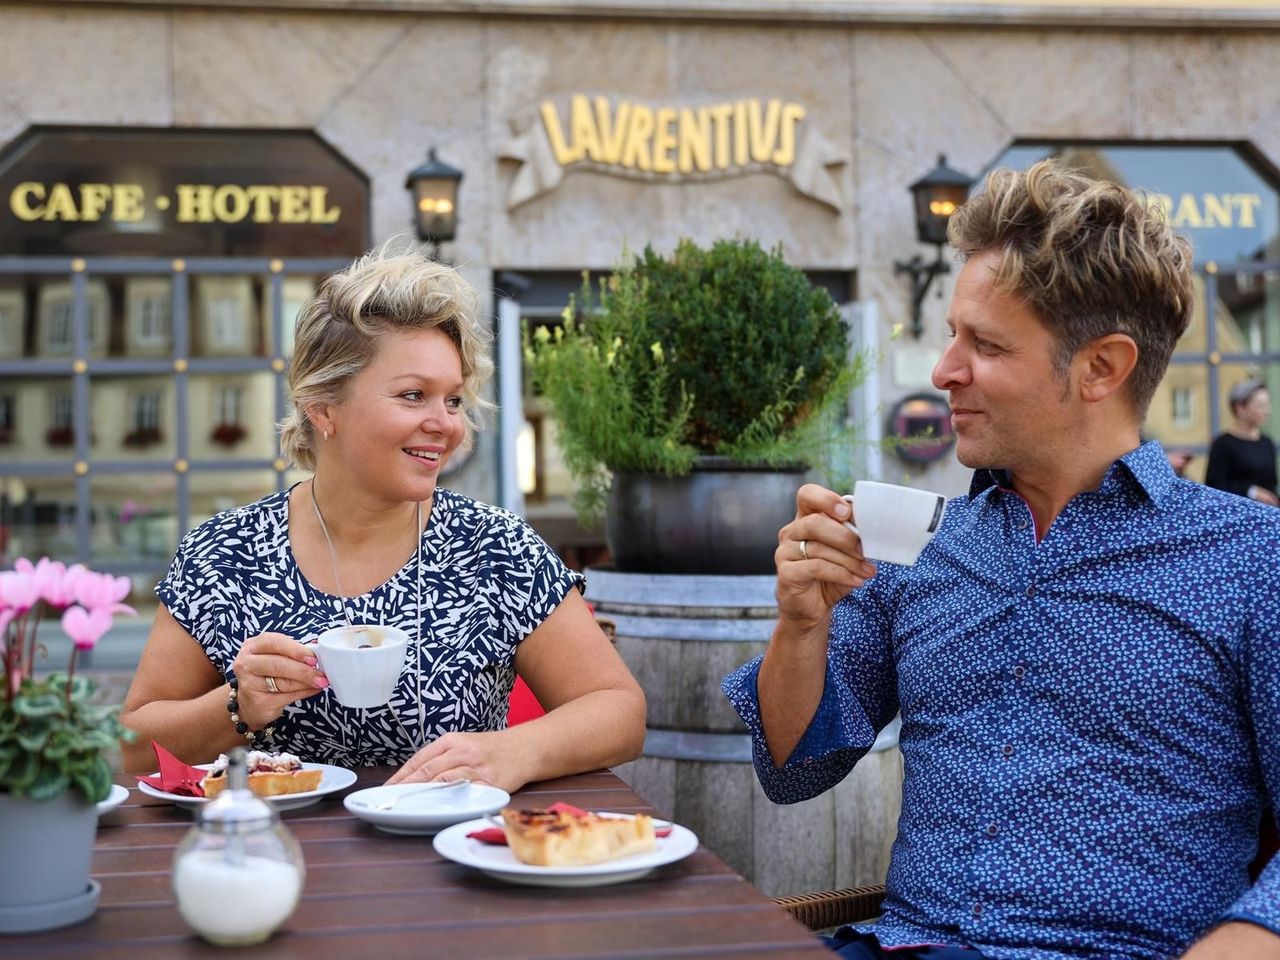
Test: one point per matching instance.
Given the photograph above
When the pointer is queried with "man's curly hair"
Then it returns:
(1089, 258)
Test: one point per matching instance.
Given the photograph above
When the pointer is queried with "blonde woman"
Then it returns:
(389, 358)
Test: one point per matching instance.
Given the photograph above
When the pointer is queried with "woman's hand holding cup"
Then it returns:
(273, 671)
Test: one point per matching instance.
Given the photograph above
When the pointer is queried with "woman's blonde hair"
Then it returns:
(337, 334)
(1089, 258)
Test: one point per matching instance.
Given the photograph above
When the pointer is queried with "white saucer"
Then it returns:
(117, 796)
(498, 861)
(425, 812)
(333, 779)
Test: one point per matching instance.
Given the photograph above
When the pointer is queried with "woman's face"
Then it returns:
(401, 417)
(1256, 411)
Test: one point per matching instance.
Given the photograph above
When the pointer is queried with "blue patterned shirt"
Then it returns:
(1090, 724)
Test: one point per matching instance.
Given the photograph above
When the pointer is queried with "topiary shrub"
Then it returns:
(725, 351)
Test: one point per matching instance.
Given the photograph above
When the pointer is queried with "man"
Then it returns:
(1087, 655)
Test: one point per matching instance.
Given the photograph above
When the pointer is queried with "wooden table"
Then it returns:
(373, 895)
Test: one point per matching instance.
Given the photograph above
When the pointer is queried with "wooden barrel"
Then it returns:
(680, 635)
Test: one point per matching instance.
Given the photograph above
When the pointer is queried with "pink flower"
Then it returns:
(95, 591)
(18, 590)
(86, 627)
(61, 592)
(52, 579)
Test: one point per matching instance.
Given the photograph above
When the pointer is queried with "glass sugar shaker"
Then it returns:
(238, 873)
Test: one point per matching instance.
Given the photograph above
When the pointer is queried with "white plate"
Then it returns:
(333, 778)
(498, 861)
(425, 812)
(117, 796)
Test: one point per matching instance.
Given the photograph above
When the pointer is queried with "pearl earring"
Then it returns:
(325, 434)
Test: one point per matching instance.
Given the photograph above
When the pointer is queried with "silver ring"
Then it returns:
(804, 550)
(271, 685)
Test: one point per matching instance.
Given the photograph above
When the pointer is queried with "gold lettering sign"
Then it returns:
(1202, 211)
(675, 144)
(195, 202)
(717, 138)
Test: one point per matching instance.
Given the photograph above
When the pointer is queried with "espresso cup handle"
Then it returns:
(849, 523)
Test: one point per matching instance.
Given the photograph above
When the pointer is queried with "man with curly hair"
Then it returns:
(1086, 658)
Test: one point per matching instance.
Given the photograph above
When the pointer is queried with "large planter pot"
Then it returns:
(723, 518)
(45, 849)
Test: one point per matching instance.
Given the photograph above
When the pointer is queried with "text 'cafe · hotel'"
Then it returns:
(172, 192)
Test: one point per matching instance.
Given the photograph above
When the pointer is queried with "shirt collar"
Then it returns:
(1145, 467)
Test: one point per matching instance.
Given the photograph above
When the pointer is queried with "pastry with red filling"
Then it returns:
(270, 775)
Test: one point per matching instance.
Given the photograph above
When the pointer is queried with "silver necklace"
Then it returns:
(421, 739)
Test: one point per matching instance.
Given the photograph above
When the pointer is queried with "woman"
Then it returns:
(1243, 460)
(388, 361)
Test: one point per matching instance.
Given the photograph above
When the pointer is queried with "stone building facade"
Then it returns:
(581, 129)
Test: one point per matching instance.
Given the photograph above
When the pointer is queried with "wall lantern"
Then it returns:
(434, 188)
(937, 195)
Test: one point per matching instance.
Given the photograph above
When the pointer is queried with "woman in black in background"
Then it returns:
(1243, 460)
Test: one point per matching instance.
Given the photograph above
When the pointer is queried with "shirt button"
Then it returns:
(977, 909)
(1019, 671)
(1031, 590)
(992, 830)
(1007, 749)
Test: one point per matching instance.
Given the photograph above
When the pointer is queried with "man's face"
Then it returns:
(1009, 407)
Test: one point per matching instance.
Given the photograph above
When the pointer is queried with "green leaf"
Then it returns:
(33, 738)
(50, 781)
(39, 705)
(93, 779)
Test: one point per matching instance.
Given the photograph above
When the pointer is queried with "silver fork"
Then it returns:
(432, 787)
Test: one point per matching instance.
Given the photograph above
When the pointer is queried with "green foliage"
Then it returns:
(725, 351)
(53, 738)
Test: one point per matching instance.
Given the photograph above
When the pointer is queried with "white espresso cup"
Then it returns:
(362, 661)
(894, 522)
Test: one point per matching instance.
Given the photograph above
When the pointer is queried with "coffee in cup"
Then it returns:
(895, 523)
(362, 661)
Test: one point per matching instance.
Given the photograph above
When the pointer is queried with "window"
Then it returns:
(59, 338)
(1183, 411)
(144, 420)
(149, 308)
(11, 309)
(61, 417)
(229, 405)
(6, 417)
(228, 416)
(57, 317)
(61, 432)
(145, 411)
(226, 324)
(151, 328)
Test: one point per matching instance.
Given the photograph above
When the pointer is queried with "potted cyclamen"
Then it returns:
(53, 741)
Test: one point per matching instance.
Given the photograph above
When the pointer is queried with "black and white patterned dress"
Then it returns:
(488, 581)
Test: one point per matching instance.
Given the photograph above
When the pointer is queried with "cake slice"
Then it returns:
(270, 775)
(558, 838)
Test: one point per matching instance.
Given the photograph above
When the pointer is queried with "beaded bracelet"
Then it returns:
(258, 739)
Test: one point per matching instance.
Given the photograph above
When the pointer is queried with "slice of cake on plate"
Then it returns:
(559, 838)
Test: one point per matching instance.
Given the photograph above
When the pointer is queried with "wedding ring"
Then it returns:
(271, 685)
(804, 549)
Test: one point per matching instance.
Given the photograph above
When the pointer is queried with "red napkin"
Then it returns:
(175, 776)
(498, 837)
